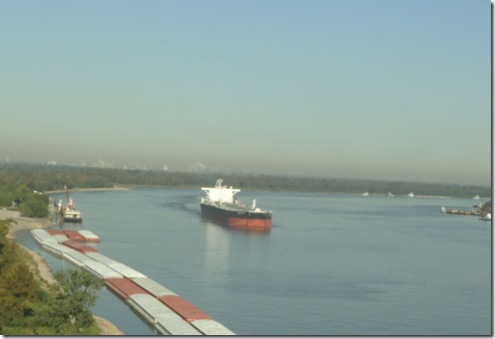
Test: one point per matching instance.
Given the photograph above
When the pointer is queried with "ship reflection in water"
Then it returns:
(218, 256)
(217, 248)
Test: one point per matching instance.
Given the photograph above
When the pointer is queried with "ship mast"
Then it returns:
(69, 199)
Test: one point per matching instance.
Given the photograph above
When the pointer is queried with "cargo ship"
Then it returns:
(221, 206)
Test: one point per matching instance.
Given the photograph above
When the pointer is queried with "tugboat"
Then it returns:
(221, 206)
(69, 212)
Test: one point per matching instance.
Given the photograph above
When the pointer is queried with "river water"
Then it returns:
(333, 264)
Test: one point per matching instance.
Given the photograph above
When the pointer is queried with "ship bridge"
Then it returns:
(219, 193)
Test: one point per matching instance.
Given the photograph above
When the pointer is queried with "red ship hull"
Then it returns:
(242, 220)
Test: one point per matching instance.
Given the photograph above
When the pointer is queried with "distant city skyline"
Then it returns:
(381, 89)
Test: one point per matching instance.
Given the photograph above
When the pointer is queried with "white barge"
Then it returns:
(165, 310)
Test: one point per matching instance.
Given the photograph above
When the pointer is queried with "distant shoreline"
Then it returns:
(96, 189)
(53, 177)
(131, 187)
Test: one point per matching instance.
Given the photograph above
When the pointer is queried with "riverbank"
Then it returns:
(21, 223)
(113, 188)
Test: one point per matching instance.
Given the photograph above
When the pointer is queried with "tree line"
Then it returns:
(44, 178)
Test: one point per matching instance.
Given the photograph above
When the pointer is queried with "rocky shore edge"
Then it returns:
(21, 223)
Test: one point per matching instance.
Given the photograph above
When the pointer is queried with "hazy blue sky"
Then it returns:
(396, 90)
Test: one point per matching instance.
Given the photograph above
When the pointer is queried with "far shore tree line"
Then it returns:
(22, 185)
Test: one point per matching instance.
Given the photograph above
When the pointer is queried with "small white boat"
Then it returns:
(487, 217)
(411, 195)
(390, 194)
(365, 194)
(476, 197)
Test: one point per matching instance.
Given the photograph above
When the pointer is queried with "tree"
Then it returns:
(17, 288)
(487, 207)
(18, 285)
(8, 248)
(77, 293)
(29, 307)
(34, 206)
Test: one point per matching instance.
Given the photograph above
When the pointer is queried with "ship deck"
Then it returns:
(236, 207)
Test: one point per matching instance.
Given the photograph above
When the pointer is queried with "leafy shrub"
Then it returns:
(34, 206)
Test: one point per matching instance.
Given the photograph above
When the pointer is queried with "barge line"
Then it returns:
(165, 310)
